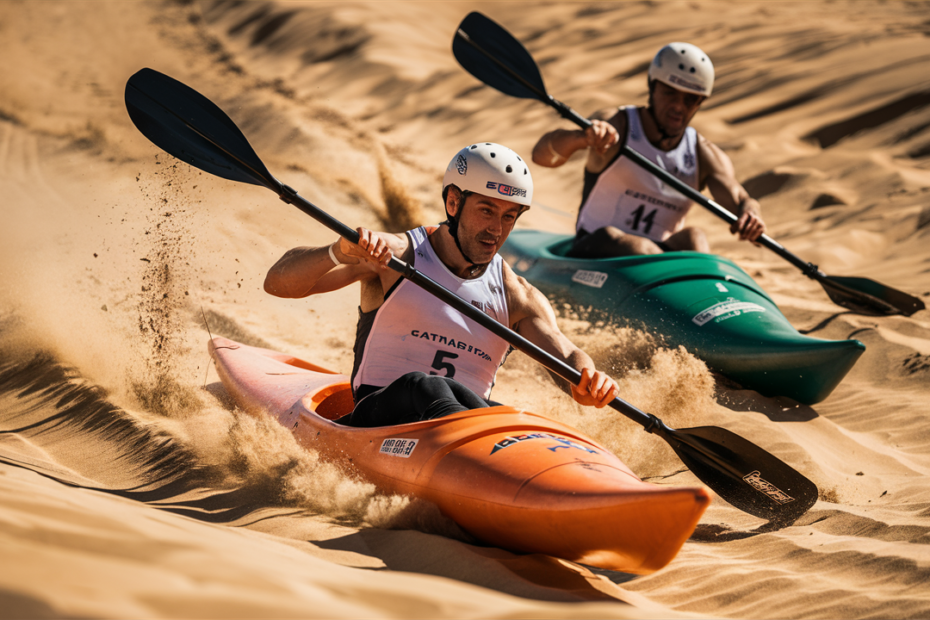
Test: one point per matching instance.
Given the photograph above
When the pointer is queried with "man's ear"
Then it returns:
(453, 201)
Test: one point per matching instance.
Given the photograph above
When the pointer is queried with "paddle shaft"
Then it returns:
(704, 450)
(409, 272)
(640, 160)
(715, 456)
(522, 79)
(807, 268)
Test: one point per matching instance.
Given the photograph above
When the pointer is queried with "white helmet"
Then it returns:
(684, 67)
(490, 170)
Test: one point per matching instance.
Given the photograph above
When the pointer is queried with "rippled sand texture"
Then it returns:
(129, 487)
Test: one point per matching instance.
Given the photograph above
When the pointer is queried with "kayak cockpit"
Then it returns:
(332, 401)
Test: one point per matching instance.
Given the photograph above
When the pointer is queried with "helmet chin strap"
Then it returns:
(452, 221)
(651, 109)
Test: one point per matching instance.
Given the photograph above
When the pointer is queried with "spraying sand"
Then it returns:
(130, 488)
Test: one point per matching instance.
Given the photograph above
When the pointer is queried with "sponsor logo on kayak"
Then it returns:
(561, 442)
(398, 447)
(726, 310)
(756, 481)
(594, 279)
(506, 190)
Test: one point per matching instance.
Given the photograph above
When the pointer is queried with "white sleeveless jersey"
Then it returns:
(414, 331)
(635, 201)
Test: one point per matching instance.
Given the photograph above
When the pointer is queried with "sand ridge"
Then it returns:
(138, 493)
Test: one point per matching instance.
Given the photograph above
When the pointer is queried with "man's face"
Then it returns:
(673, 108)
(485, 224)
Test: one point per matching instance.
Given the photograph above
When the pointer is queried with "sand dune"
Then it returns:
(131, 488)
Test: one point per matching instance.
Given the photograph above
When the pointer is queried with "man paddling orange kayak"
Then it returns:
(417, 358)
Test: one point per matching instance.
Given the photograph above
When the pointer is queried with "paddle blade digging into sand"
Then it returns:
(489, 52)
(183, 122)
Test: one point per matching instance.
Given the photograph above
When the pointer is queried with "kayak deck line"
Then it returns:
(510, 478)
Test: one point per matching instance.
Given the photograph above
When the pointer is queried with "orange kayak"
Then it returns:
(509, 477)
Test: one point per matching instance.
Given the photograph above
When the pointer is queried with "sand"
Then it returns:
(131, 488)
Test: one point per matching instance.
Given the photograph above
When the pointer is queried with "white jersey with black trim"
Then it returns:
(635, 201)
(414, 331)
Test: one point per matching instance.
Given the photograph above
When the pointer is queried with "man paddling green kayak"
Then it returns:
(625, 210)
(417, 358)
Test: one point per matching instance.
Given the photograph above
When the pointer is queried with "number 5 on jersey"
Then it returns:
(440, 363)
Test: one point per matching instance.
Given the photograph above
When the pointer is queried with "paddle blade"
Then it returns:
(189, 126)
(743, 474)
(866, 296)
(495, 57)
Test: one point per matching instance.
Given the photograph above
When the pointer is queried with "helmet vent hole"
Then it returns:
(474, 146)
(493, 154)
(692, 69)
(682, 67)
(509, 168)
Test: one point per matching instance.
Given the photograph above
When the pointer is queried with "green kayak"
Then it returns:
(700, 301)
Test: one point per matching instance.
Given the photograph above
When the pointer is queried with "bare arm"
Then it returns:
(306, 271)
(556, 147)
(718, 175)
(532, 317)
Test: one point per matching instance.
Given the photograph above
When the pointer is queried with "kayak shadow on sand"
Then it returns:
(533, 575)
(718, 533)
(776, 409)
(824, 323)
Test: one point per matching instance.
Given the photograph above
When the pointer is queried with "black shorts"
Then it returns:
(414, 397)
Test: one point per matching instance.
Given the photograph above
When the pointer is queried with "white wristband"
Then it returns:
(332, 254)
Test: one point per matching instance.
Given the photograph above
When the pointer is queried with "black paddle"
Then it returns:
(189, 126)
(491, 54)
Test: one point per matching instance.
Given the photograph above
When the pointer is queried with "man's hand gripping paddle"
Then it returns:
(192, 128)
